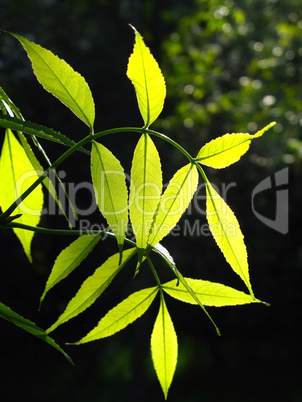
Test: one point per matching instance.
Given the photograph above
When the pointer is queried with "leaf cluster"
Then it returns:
(138, 217)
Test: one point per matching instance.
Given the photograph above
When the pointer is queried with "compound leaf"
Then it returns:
(93, 287)
(208, 293)
(227, 234)
(228, 149)
(174, 202)
(164, 348)
(69, 259)
(59, 78)
(148, 81)
(111, 192)
(145, 189)
(8, 314)
(122, 315)
(17, 175)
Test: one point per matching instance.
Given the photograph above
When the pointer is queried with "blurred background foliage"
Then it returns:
(230, 66)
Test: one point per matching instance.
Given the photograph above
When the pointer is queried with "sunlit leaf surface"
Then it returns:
(174, 202)
(228, 149)
(69, 259)
(227, 234)
(145, 189)
(148, 81)
(164, 348)
(93, 287)
(17, 175)
(58, 78)
(110, 189)
(122, 315)
(209, 293)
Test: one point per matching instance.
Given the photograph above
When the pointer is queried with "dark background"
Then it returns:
(230, 66)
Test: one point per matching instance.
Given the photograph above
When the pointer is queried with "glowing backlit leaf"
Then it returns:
(145, 189)
(208, 293)
(228, 149)
(17, 175)
(227, 234)
(110, 189)
(93, 287)
(164, 348)
(69, 259)
(174, 202)
(122, 315)
(58, 78)
(148, 81)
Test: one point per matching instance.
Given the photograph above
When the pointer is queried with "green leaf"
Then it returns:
(122, 315)
(58, 78)
(69, 259)
(227, 234)
(148, 81)
(8, 104)
(228, 149)
(145, 189)
(164, 348)
(8, 314)
(174, 202)
(111, 192)
(47, 182)
(208, 293)
(37, 130)
(93, 287)
(10, 108)
(18, 174)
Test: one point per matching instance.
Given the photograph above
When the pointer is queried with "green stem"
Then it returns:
(154, 272)
(68, 232)
(193, 294)
(171, 142)
(38, 229)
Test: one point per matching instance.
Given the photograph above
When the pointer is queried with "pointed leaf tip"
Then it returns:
(227, 149)
(61, 80)
(148, 81)
(125, 313)
(164, 347)
(227, 233)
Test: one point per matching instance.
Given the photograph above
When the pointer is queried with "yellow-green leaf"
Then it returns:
(228, 149)
(47, 182)
(69, 259)
(164, 348)
(110, 189)
(122, 315)
(18, 124)
(174, 202)
(59, 78)
(227, 234)
(93, 287)
(17, 175)
(145, 189)
(148, 81)
(208, 293)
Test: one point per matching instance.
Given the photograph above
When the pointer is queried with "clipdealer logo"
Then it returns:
(279, 184)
